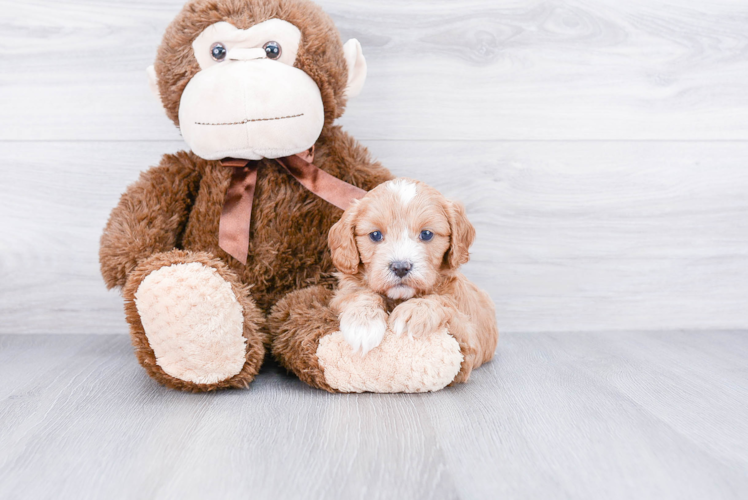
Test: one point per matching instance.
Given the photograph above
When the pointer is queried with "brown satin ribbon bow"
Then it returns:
(233, 231)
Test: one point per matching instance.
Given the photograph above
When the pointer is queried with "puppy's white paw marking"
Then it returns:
(363, 328)
(193, 323)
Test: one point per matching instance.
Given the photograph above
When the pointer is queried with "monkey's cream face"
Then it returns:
(249, 101)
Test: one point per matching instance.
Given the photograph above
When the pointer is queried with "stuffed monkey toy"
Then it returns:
(205, 244)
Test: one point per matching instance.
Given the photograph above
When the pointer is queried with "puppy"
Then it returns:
(398, 251)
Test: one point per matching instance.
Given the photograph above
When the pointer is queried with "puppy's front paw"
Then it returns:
(363, 328)
(417, 317)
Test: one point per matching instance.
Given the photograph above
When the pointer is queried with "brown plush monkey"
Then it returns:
(251, 81)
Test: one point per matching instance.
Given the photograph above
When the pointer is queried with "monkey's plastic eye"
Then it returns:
(218, 51)
(376, 236)
(426, 235)
(272, 50)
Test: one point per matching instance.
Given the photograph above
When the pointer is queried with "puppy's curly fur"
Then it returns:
(433, 296)
(429, 237)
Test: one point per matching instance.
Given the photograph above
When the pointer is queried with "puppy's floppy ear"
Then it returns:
(342, 242)
(463, 235)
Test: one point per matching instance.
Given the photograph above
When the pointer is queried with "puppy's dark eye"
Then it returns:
(376, 236)
(218, 52)
(426, 235)
(272, 50)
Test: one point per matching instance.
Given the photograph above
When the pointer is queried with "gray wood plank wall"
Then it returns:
(601, 148)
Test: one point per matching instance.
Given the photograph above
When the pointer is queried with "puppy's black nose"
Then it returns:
(400, 268)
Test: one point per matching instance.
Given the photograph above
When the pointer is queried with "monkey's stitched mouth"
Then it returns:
(243, 122)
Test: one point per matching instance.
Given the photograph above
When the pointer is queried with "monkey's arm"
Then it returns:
(149, 218)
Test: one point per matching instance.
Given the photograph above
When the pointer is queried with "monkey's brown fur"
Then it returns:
(177, 205)
(299, 321)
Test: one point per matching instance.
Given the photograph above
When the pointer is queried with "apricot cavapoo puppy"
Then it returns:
(399, 249)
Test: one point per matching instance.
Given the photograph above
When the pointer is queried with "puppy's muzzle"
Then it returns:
(401, 268)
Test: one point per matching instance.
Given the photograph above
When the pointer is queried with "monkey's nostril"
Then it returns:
(401, 268)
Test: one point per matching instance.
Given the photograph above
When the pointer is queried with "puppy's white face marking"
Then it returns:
(404, 247)
(405, 190)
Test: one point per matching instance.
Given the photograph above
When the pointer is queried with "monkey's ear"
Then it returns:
(354, 58)
(153, 81)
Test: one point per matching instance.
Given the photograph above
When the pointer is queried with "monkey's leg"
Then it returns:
(192, 322)
(297, 323)
(306, 341)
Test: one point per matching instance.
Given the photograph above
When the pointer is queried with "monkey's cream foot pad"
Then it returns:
(398, 364)
(193, 323)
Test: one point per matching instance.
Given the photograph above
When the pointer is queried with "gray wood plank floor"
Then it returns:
(575, 415)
